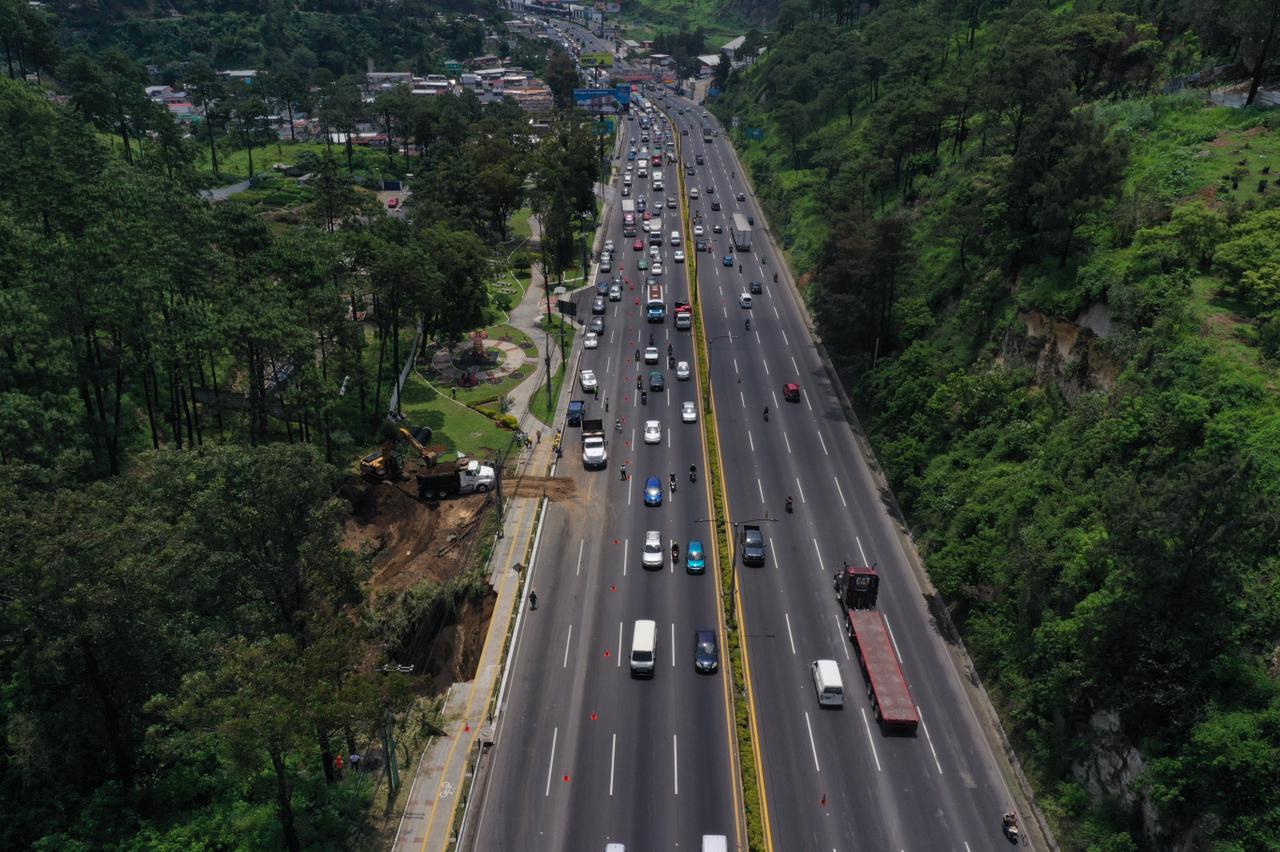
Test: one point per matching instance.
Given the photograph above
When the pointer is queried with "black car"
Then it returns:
(597, 325)
(656, 380)
(577, 408)
(602, 287)
(756, 287)
(641, 204)
(697, 158)
(715, 205)
(597, 305)
(741, 197)
(706, 651)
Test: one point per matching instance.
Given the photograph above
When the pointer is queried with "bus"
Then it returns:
(655, 308)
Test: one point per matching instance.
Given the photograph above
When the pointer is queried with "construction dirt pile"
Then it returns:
(552, 487)
(412, 540)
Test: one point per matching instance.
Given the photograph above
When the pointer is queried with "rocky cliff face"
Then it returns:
(1066, 353)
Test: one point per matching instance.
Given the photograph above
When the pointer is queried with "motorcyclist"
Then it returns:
(638, 383)
(644, 397)
(670, 349)
(675, 551)
(739, 267)
(766, 412)
(693, 473)
(788, 503)
(673, 483)
(638, 351)
(651, 338)
(748, 323)
(533, 599)
(775, 278)
(617, 425)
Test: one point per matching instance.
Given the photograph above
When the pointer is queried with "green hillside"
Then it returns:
(1052, 288)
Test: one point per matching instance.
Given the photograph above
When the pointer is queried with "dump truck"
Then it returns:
(741, 232)
(595, 451)
(857, 587)
(467, 477)
(752, 545)
(684, 316)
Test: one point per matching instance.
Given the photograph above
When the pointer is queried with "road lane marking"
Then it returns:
(786, 616)
(619, 654)
(787, 342)
(675, 762)
(794, 366)
(858, 541)
(626, 547)
(567, 640)
(760, 488)
(742, 399)
(613, 758)
(840, 629)
(735, 364)
(936, 762)
(673, 643)
(788, 440)
(841, 491)
(774, 396)
(581, 545)
(892, 638)
(751, 441)
(867, 725)
(764, 361)
(776, 315)
(806, 400)
(551, 762)
(800, 488)
(812, 746)
(824, 444)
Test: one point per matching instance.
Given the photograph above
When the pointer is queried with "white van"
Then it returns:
(644, 648)
(675, 238)
(715, 843)
(744, 300)
(827, 683)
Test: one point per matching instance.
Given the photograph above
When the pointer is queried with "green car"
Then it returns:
(656, 380)
(642, 264)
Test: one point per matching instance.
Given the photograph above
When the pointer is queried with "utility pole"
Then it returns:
(546, 285)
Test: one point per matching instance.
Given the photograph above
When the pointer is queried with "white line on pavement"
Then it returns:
(788, 440)
(675, 763)
(858, 540)
(794, 365)
(581, 545)
(751, 441)
(619, 654)
(840, 627)
(626, 546)
(818, 554)
(841, 491)
(567, 640)
(867, 725)
(812, 746)
(551, 761)
(613, 759)
(800, 488)
(673, 640)
(824, 445)
(892, 637)
(936, 762)
(760, 488)
(764, 361)
(790, 638)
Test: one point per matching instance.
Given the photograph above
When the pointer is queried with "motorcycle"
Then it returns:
(675, 552)
(693, 473)
(788, 505)
(766, 414)
(1010, 825)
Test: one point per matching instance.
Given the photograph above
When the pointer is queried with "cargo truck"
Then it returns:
(741, 232)
(594, 447)
(628, 205)
(857, 588)
(684, 316)
(466, 478)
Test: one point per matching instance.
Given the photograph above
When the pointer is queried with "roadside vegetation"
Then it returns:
(191, 639)
(1051, 286)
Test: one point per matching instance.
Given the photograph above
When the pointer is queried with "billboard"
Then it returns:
(603, 101)
(596, 60)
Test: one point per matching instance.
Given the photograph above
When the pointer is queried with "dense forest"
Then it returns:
(188, 645)
(1047, 267)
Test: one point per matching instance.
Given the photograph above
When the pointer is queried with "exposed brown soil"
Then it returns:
(455, 652)
(552, 487)
(412, 540)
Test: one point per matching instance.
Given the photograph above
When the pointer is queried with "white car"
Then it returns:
(656, 269)
(608, 246)
(693, 193)
(615, 293)
(699, 231)
(654, 252)
(587, 379)
(688, 413)
(591, 341)
(682, 371)
(652, 432)
(651, 355)
(679, 256)
(652, 556)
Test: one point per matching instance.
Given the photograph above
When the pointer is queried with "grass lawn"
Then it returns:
(233, 164)
(538, 401)
(520, 223)
(452, 423)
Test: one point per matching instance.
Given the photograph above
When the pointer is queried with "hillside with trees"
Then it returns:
(1046, 266)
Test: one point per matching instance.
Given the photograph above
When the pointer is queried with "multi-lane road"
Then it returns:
(586, 755)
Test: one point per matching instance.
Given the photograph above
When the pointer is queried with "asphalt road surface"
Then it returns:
(587, 755)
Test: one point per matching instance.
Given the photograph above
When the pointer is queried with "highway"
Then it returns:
(585, 753)
(654, 769)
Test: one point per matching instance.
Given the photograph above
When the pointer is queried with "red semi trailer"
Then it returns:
(857, 588)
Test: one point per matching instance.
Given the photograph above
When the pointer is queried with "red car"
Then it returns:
(647, 215)
(393, 203)
(638, 245)
(791, 392)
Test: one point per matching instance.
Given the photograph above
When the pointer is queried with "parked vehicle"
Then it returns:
(467, 478)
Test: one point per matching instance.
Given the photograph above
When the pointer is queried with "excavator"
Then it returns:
(384, 461)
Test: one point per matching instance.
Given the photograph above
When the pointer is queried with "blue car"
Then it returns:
(695, 563)
(653, 491)
(728, 260)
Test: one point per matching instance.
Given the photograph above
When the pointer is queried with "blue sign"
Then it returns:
(713, 92)
(756, 133)
(603, 101)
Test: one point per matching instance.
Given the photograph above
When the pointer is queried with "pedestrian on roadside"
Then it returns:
(538, 439)
(624, 473)
(354, 761)
(533, 599)
(337, 766)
